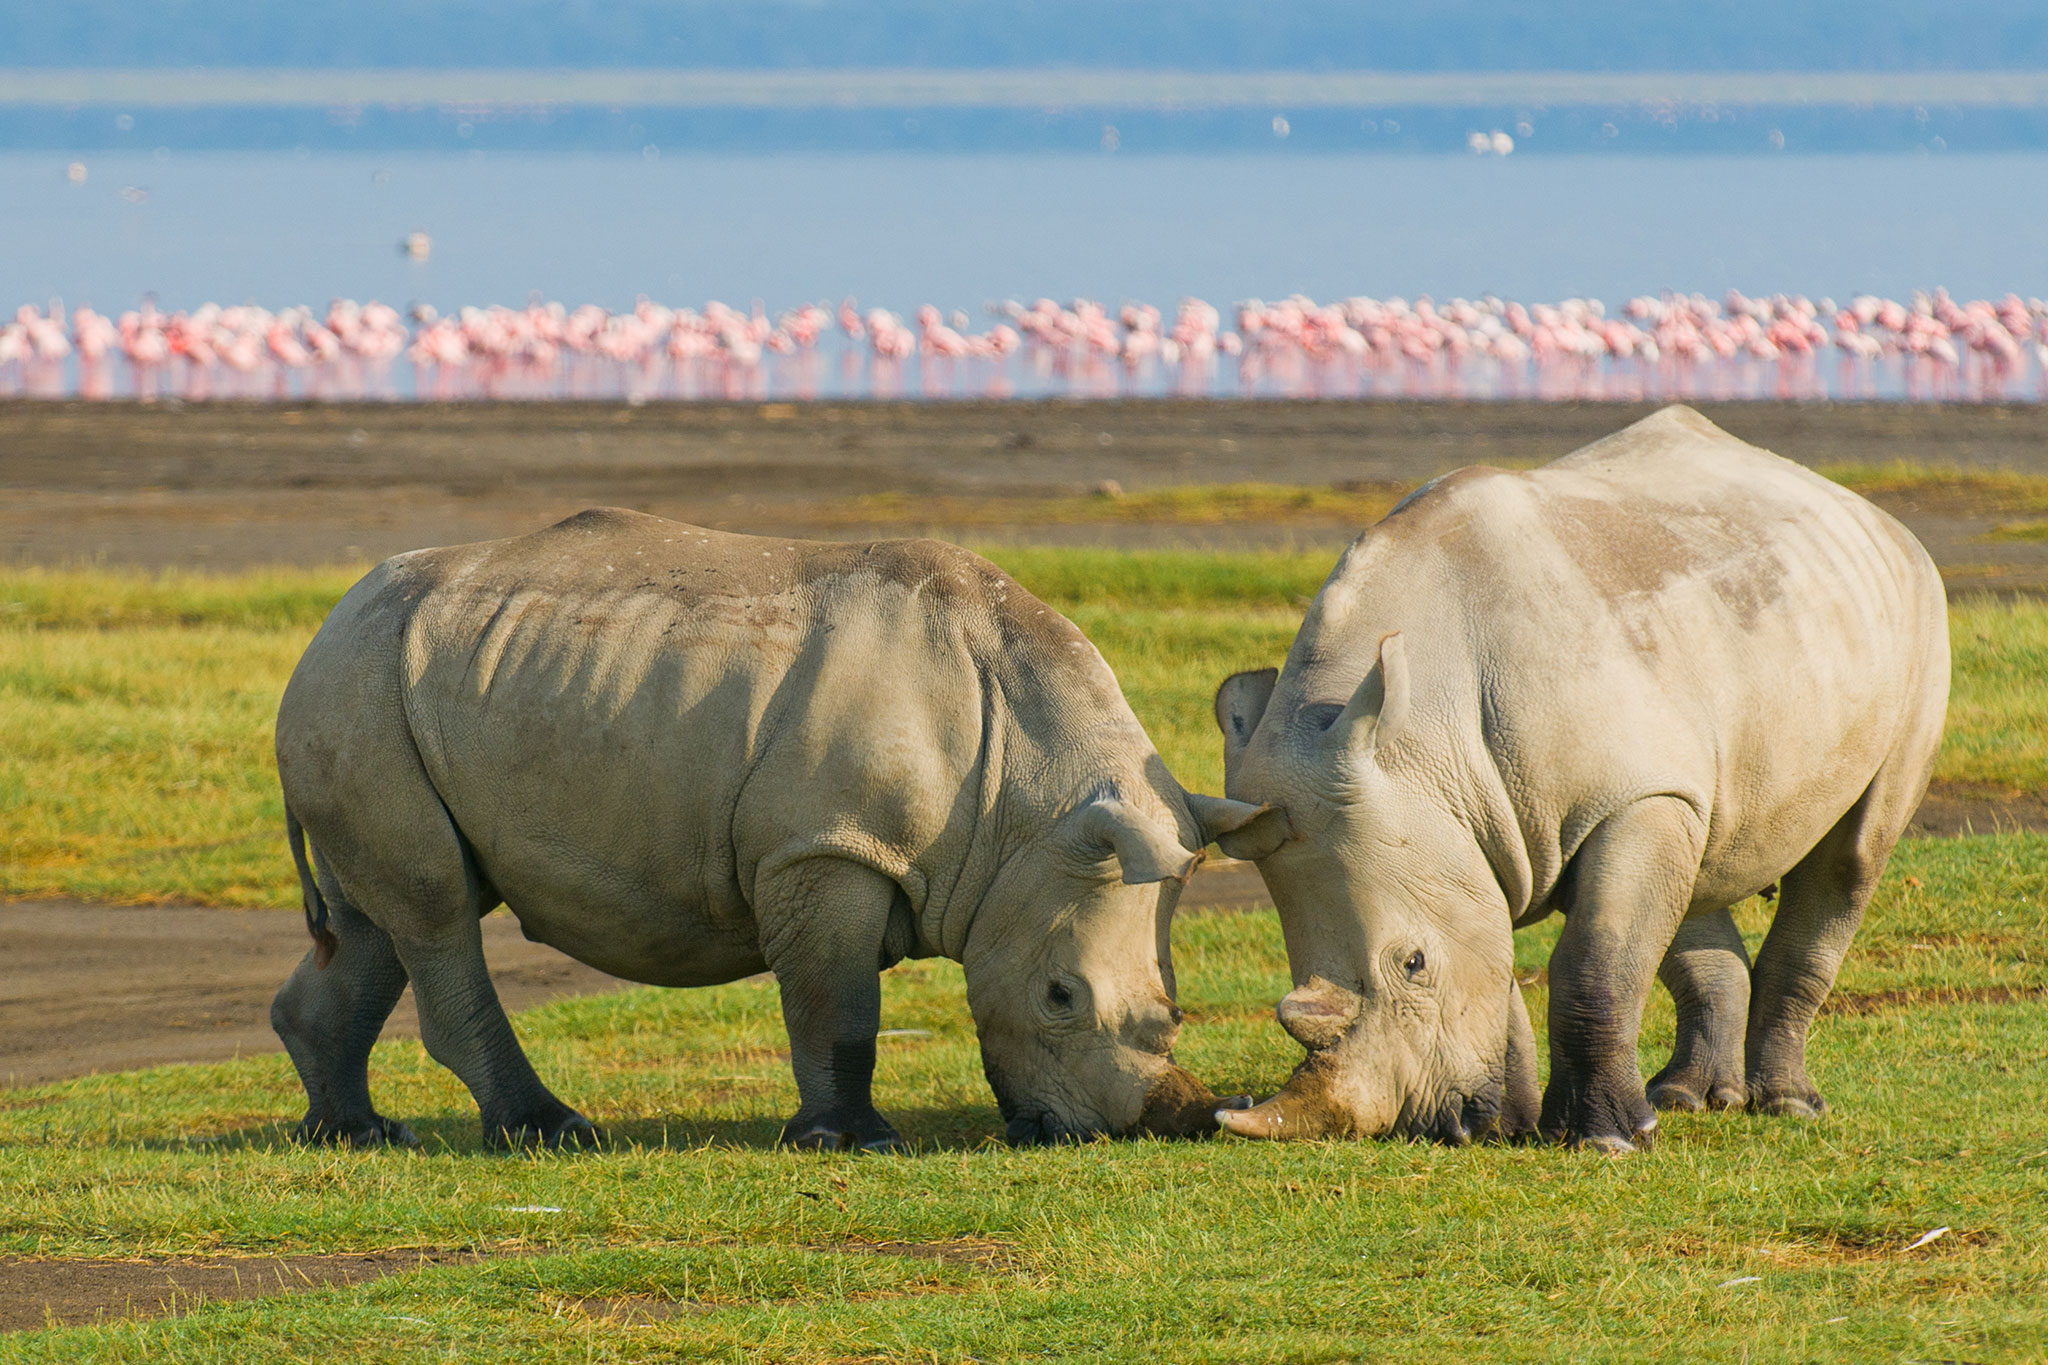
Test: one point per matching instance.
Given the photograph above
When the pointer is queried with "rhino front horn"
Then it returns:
(1286, 1115)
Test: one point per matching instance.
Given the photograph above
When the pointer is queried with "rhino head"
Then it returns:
(1398, 934)
(1070, 972)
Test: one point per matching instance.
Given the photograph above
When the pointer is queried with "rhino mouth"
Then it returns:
(1029, 1123)
(1457, 1120)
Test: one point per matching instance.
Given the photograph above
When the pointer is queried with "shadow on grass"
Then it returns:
(926, 1131)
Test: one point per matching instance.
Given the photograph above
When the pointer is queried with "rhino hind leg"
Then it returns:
(825, 923)
(1820, 904)
(329, 1018)
(1630, 883)
(465, 1029)
(1706, 969)
(408, 872)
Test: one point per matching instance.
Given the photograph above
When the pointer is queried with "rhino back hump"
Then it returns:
(1666, 610)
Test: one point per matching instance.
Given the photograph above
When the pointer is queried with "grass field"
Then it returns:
(136, 715)
(138, 709)
(1935, 1055)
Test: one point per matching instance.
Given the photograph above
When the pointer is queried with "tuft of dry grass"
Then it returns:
(2006, 490)
(1354, 504)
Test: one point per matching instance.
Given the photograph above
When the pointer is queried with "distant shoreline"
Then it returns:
(1035, 89)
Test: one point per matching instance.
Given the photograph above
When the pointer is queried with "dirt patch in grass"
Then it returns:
(632, 1310)
(1225, 885)
(86, 988)
(980, 1253)
(1957, 808)
(1834, 1245)
(36, 1293)
(1876, 1002)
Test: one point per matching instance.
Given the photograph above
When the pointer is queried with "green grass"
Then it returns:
(109, 599)
(1998, 695)
(137, 710)
(1220, 1251)
(2018, 530)
(2009, 490)
(1361, 504)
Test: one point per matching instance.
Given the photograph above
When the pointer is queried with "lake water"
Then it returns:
(900, 230)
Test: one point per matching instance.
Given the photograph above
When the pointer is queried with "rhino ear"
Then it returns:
(1374, 716)
(1521, 1100)
(1240, 702)
(1217, 815)
(1145, 851)
(1241, 829)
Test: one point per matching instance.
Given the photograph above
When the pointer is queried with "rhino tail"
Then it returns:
(324, 941)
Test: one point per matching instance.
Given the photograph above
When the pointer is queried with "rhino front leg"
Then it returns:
(1632, 879)
(329, 1018)
(824, 922)
(1706, 969)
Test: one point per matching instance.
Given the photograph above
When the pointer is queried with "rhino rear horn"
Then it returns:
(1145, 850)
(1317, 1012)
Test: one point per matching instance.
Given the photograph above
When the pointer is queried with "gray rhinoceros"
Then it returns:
(1637, 686)
(683, 757)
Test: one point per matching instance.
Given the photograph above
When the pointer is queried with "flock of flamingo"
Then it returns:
(1930, 347)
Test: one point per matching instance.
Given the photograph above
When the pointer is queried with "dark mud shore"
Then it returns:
(232, 485)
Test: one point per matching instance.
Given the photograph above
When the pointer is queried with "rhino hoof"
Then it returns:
(873, 1134)
(1613, 1144)
(1675, 1095)
(378, 1132)
(1726, 1096)
(1790, 1106)
(1690, 1092)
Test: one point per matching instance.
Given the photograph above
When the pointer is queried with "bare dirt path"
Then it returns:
(36, 1293)
(89, 988)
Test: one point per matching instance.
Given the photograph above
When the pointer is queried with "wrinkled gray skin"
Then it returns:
(1637, 686)
(683, 757)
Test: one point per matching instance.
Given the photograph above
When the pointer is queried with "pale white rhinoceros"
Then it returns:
(683, 757)
(1636, 686)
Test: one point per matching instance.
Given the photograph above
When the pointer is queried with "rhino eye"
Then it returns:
(1058, 993)
(1416, 963)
